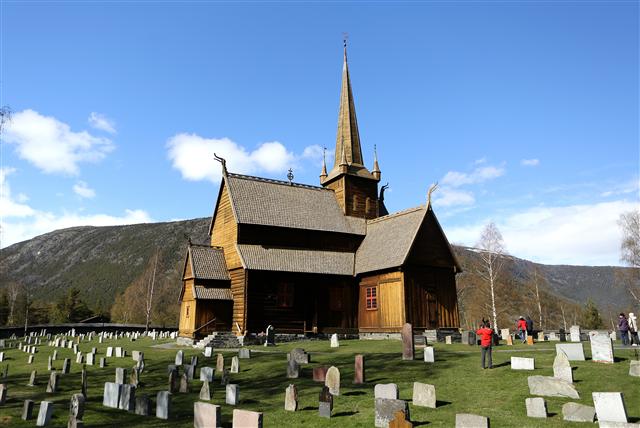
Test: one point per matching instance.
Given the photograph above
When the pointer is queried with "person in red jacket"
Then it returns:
(522, 328)
(486, 340)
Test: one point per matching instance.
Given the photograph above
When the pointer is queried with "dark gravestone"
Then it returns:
(83, 383)
(358, 377)
(320, 373)
(188, 370)
(293, 369)
(174, 381)
(224, 377)
(270, 337)
(143, 405)
(408, 349)
(325, 403)
(27, 410)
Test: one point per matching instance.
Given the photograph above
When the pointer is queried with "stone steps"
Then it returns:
(219, 339)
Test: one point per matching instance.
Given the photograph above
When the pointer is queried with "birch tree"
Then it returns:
(149, 299)
(492, 252)
(12, 294)
(629, 223)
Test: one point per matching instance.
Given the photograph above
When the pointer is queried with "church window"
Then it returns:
(187, 311)
(368, 205)
(372, 298)
(354, 206)
(285, 295)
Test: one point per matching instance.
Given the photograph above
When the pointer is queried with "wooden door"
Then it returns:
(432, 308)
(391, 303)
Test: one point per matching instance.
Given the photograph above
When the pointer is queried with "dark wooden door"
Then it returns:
(431, 308)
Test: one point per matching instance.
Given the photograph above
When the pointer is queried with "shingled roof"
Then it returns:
(206, 293)
(258, 257)
(278, 203)
(207, 262)
(388, 240)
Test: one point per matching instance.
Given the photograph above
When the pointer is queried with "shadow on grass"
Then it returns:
(619, 359)
(505, 364)
(551, 414)
(440, 403)
(355, 393)
(309, 408)
(351, 413)
(419, 424)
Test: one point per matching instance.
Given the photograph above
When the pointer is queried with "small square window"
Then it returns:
(371, 298)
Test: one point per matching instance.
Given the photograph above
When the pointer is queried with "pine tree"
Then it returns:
(590, 316)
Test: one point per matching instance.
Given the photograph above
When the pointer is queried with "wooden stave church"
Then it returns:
(309, 259)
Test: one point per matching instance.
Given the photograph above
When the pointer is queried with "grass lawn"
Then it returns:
(461, 386)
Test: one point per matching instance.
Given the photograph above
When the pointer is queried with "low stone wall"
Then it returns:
(6, 332)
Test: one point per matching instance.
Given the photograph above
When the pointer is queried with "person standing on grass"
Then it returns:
(623, 326)
(529, 326)
(522, 328)
(486, 338)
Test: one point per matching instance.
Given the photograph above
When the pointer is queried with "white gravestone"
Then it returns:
(574, 351)
(429, 356)
(610, 406)
(601, 347)
(519, 363)
(575, 333)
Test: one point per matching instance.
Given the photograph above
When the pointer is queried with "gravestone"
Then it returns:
(386, 390)
(163, 405)
(171, 367)
(246, 419)
(385, 410)
(334, 341)
(189, 369)
(208, 350)
(540, 336)
(601, 347)
(553, 337)
(109, 351)
(293, 369)
(575, 333)
(429, 356)
(424, 395)
(467, 420)
(299, 356)
(244, 353)
(52, 385)
(235, 364)
(3, 393)
(551, 387)
(143, 405)
(27, 410)
(332, 380)
(30, 359)
(575, 412)
(76, 406)
(32, 378)
(408, 349)
(111, 396)
(562, 335)
(504, 333)
(121, 375)
(119, 353)
(179, 358)
(220, 363)
(634, 368)
(184, 383)
(232, 394)
(224, 377)
(574, 351)
(519, 363)
(320, 373)
(206, 373)
(468, 337)
(359, 372)
(509, 340)
(79, 358)
(206, 415)
(90, 359)
(66, 366)
(174, 381)
(270, 337)
(103, 363)
(49, 363)
(127, 398)
(291, 398)
(536, 407)
(562, 367)
(135, 355)
(83, 381)
(205, 392)
(325, 403)
(610, 406)
(447, 340)
(400, 421)
(45, 413)
(134, 379)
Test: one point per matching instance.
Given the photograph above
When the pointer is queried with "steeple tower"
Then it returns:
(355, 186)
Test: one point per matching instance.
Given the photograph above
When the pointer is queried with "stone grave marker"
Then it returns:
(52, 385)
(208, 350)
(424, 395)
(610, 406)
(575, 412)
(359, 372)
(119, 353)
(325, 405)
(575, 333)
(45, 413)
(189, 370)
(235, 364)
(91, 358)
(574, 351)
(83, 381)
(121, 375)
(109, 351)
(553, 337)
(111, 396)
(205, 392)
(244, 353)
(49, 363)
(529, 340)
(334, 341)
(291, 398)
(3, 393)
(66, 366)
(429, 356)
(332, 380)
(247, 419)
(388, 391)
(103, 362)
(536, 407)
(27, 410)
(447, 340)
(540, 336)
(224, 377)
(232, 394)
(32, 378)
(408, 349)
(220, 363)
(562, 367)
(30, 360)
(634, 368)
(206, 415)
(206, 373)
(299, 356)
(293, 369)
(143, 405)
(509, 340)
(76, 409)
(504, 333)
(79, 358)
(551, 387)
(468, 337)
(601, 347)
(385, 410)
(174, 381)
(184, 383)
(320, 373)
(468, 420)
(520, 363)
(179, 358)
(163, 405)
(127, 398)
(270, 336)
(135, 355)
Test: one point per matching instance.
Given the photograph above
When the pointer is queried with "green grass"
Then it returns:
(461, 387)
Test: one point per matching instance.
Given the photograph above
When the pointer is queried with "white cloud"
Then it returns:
(102, 122)
(480, 161)
(83, 190)
(478, 175)
(19, 222)
(576, 234)
(530, 162)
(51, 146)
(192, 155)
(448, 197)
(631, 186)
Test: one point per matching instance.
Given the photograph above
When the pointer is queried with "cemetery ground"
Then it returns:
(461, 385)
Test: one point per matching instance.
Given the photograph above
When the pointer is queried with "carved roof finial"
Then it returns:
(223, 162)
(290, 176)
(431, 190)
(323, 173)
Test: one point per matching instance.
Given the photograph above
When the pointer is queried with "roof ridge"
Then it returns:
(274, 181)
(395, 214)
(215, 247)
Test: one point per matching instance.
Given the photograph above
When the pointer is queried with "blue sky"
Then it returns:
(526, 113)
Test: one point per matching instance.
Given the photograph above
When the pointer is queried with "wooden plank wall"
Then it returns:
(357, 190)
(225, 230)
(430, 247)
(338, 188)
(390, 315)
(238, 290)
(187, 324)
(441, 283)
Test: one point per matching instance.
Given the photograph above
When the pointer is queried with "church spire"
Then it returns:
(376, 168)
(323, 173)
(348, 138)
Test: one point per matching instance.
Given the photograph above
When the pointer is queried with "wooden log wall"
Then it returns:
(430, 290)
(239, 292)
(187, 319)
(390, 315)
(225, 230)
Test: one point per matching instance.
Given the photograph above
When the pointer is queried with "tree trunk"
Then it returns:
(149, 301)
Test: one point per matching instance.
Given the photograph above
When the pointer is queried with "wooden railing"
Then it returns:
(204, 325)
